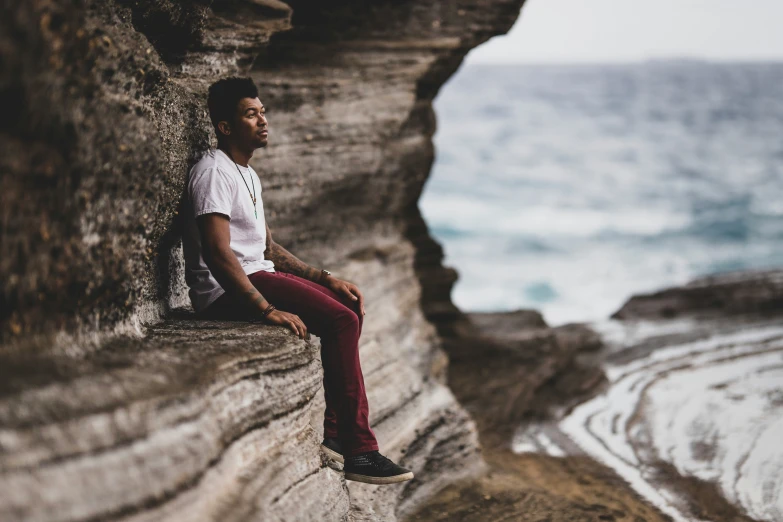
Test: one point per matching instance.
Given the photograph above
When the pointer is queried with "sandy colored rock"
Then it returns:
(115, 403)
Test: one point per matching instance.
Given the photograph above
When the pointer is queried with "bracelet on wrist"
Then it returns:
(268, 310)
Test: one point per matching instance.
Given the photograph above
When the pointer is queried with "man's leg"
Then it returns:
(330, 413)
(338, 326)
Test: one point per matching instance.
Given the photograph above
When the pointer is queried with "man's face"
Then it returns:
(250, 124)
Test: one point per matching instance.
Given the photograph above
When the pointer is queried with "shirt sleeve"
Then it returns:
(212, 190)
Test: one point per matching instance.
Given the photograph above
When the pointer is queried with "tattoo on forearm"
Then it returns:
(285, 261)
(250, 295)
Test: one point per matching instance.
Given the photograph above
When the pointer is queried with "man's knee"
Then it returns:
(346, 318)
(354, 307)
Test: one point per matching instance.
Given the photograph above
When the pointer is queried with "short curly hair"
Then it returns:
(224, 96)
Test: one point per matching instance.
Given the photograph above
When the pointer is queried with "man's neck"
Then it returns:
(240, 156)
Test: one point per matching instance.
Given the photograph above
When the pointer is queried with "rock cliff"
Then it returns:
(114, 402)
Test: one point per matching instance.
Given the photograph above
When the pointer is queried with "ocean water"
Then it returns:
(570, 188)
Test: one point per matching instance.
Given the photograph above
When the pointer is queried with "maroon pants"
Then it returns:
(337, 320)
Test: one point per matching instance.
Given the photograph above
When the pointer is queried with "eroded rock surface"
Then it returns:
(115, 408)
(197, 421)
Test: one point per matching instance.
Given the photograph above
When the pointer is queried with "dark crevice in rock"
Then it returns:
(317, 470)
(433, 463)
(299, 405)
(436, 279)
(281, 371)
(422, 435)
(171, 26)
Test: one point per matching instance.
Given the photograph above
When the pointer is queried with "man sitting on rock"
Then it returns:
(236, 271)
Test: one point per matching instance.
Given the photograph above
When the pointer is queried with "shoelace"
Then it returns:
(374, 459)
(383, 462)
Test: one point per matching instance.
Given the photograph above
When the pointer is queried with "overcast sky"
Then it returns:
(632, 30)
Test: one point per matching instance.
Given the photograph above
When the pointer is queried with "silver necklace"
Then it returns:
(253, 195)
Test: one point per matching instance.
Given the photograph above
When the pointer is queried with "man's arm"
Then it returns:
(223, 263)
(287, 262)
(224, 266)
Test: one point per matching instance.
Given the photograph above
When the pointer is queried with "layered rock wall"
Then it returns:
(112, 406)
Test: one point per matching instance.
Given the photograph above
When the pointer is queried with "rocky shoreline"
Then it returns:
(508, 368)
(542, 462)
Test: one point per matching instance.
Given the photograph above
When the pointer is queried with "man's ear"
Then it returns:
(224, 127)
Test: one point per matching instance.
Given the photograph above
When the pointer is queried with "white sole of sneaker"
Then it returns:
(379, 480)
(333, 454)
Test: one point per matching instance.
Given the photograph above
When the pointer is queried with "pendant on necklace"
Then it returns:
(256, 211)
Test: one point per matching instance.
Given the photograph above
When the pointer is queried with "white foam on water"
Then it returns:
(525, 446)
(699, 351)
(718, 422)
(538, 438)
(604, 426)
(549, 445)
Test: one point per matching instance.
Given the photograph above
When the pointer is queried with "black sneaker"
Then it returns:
(374, 468)
(331, 446)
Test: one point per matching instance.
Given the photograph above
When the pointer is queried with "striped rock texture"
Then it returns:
(115, 404)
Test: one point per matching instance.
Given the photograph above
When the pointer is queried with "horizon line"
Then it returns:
(632, 61)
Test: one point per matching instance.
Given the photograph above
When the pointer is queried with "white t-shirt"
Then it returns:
(214, 185)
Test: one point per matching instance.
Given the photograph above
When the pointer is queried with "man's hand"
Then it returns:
(289, 320)
(285, 261)
(345, 288)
